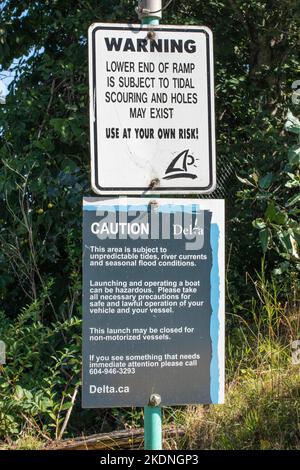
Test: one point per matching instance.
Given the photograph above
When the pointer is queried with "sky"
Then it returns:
(4, 82)
(7, 76)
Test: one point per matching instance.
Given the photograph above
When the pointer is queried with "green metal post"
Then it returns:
(152, 412)
(152, 428)
(150, 12)
(151, 21)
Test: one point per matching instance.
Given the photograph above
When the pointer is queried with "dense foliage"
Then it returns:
(44, 172)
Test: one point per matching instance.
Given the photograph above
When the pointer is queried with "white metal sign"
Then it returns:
(151, 109)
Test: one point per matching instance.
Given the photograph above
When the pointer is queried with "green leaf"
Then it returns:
(53, 416)
(28, 395)
(266, 181)
(294, 155)
(264, 237)
(44, 404)
(292, 123)
(60, 126)
(282, 268)
(275, 215)
(285, 240)
(293, 200)
(67, 406)
(259, 223)
(19, 392)
(293, 183)
(245, 181)
(271, 212)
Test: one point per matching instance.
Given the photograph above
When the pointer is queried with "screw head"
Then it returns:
(155, 399)
(154, 183)
(151, 35)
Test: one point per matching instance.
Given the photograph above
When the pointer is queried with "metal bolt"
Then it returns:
(154, 183)
(155, 399)
(151, 35)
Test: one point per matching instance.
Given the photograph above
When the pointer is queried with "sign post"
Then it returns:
(150, 12)
(153, 270)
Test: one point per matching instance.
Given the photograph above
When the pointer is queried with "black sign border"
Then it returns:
(95, 155)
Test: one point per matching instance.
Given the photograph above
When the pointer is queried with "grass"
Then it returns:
(262, 411)
(27, 441)
(262, 404)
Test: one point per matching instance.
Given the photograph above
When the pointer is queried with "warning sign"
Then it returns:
(153, 301)
(151, 109)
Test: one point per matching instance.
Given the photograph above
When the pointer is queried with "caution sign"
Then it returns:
(153, 301)
(151, 109)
